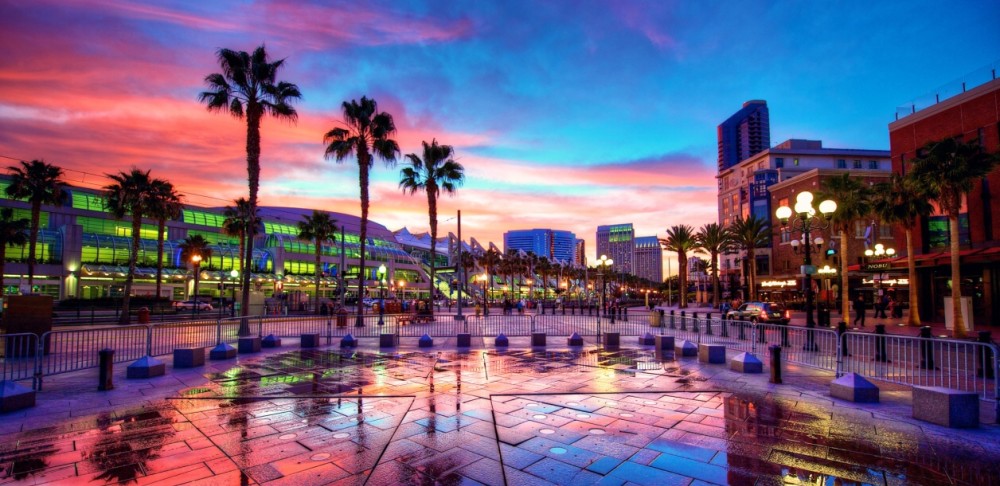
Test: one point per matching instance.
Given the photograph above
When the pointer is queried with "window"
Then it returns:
(779, 162)
(873, 164)
(203, 218)
(859, 229)
(786, 235)
(841, 164)
(857, 163)
(885, 231)
(795, 162)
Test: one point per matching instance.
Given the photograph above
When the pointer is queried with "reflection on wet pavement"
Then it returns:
(518, 417)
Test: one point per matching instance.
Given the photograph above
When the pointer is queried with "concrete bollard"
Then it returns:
(538, 339)
(775, 352)
(672, 325)
(348, 341)
(694, 321)
(464, 340)
(684, 326)
(501, 341)
(106, 360)
(708, 323)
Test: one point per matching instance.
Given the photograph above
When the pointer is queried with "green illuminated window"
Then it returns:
(43, 217)
(89, 202)
(297, 267)
(47, 250)
(215, 237)
(280, 228)
(202, 218)
(3, 192)
(113, 227)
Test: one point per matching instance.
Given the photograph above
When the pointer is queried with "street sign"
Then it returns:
(808, 270)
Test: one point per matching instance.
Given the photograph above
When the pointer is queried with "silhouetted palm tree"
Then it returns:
(947, 172)
(901, 202)
(748, 235)
(317, 229)
(435, 173)
(367, 135)
(715, 240)
(39, 183)
(853, 198)
(165, 204)
(248, 88)
(195, 245)
(240, 224)
(131, 194)
(490, 260)
(681, 239)
(13, 232)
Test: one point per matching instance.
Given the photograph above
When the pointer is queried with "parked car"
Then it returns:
(192, 305)
(766, 312)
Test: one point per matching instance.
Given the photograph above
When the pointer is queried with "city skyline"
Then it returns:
(571, 117)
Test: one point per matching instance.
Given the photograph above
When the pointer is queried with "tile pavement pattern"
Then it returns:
(322, 416)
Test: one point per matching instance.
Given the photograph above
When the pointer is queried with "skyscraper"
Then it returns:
(617, 241)
(648, 258)
(556, 245)
(744, 134)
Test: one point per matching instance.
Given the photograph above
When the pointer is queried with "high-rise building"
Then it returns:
(581, 253)
(744, 134)
(556, 245)
(648, 258)
(617, 241)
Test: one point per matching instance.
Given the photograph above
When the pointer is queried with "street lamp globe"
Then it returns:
(783, 213)
(827, 207)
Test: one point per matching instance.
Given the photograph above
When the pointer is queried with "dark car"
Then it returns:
(766, 312)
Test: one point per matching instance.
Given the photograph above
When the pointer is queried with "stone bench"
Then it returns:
(612, 340)
(464, 340)
(664, 343)
(270, 341)
(309, 340)
(222, 351)
(685, 349)
(425, 341)
(248, 345)
(746, 363)
(145, 367)
(538, 339)
(189, 357)
(946, 406)
(712, 353)
(854, 388)
(387, 340)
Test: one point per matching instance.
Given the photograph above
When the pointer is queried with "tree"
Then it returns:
(243, 224)
(132, 195)
(490, 260)
(947, 173)
(367, 135)
(748, 235)
(435, 173)
(12, 233)
(681, 239)
(901, 202)
(318, 229)
(853, 198)
(713, 239)
(195, 246)
(248, 88)
(165, 203)
(468, 262)
(39, 183)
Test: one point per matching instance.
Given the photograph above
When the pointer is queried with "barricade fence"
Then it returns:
(908, 360)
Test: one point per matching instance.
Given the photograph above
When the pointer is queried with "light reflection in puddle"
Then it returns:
(546, 431)
(538, 416)
(557, 450)
(342, 435)
(627, 415)
(596, 431)
(322, 456)
(582, 415)
(286, 436)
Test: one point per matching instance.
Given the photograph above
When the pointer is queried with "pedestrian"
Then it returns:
(882, 305)
(859, 310)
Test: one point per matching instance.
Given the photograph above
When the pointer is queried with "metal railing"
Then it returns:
(917, 361)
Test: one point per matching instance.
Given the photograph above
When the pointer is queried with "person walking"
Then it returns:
(859, 310)
(883, 303)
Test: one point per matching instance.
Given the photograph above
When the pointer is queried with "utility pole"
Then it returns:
(460, 267)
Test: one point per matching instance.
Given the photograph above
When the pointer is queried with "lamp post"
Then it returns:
(381, 294)
(196, 262)
(482, 282)
(603, 264)
(402, 290)
(235, 274)
(804, 219)
(878, 253)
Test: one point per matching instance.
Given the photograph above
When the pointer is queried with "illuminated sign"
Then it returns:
(826, 270)
(778, 283)
(889, 282)
(876, 266)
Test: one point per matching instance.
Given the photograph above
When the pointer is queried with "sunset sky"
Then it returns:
(565, 114)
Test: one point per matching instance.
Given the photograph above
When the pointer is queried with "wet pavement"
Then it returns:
(482, 417)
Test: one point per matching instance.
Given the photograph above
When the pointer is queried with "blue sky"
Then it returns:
(566, 114)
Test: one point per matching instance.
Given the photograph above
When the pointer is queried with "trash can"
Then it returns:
(143, 314)
(654, 319)
(342, 317)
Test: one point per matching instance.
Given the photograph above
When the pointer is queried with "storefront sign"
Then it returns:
(826, 270)
(888, 282)
(778, 283)
(874, 267)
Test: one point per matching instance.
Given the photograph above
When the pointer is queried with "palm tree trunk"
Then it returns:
(911, 269)
(253, 181)
(432, 210)
(845, 295)
(243, 246)
(159, 255)
(363, 232)
(752, 273)
(715, 280)
(956, 279)
(36, 212)
(125, 318)
(682, 282)
(3, 259)
(319, 249)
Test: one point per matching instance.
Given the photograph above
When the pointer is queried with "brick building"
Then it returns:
(972, 115)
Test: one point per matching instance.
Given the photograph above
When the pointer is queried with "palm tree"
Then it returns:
(247, 88)
(748, 235)
(468, 262)
(713, 239)
(240, 224)
(368, 135)
(853, 198)
(490, 260)
(437, 172)
(901, 202)
(947, 173)
(544, 268)
(195, 249)
(13, 233)
(39, 183)
(318, 229)
(165, 204)
(681, 239)
(131, 194)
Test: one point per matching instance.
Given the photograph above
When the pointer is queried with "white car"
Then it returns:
(192, 305)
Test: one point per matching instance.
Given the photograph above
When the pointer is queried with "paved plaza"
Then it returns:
(556, 415)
